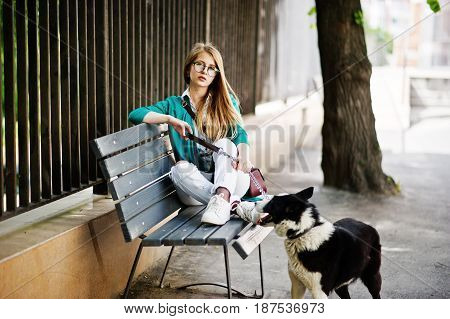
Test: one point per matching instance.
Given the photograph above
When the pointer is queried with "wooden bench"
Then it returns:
(136, 162)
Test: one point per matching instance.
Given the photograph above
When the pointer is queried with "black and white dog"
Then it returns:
(323, 256)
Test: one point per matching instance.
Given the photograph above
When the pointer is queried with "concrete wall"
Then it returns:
(86, 259)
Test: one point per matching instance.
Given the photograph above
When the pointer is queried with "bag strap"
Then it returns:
(202, 142)
(197, 139)
(188, 108)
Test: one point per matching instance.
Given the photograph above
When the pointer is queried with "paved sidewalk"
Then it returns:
(414, 229)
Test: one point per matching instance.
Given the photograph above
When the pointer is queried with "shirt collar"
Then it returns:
(185, 96)
(185, 93)
(188, 99)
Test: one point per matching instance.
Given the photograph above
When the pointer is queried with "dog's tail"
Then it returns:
(374, 264)
(371, 276)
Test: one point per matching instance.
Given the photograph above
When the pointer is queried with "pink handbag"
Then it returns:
(257, 184)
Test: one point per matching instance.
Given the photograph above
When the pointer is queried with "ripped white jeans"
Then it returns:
(195, 187)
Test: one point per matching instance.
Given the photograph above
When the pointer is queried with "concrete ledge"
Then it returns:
(79, 253)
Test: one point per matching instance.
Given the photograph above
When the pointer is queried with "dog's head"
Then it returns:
(291, 214)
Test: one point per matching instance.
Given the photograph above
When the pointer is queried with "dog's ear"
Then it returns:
(306, 193)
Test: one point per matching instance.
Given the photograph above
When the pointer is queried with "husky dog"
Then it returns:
(323, 256)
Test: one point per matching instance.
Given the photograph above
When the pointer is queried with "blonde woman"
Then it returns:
(201, 176)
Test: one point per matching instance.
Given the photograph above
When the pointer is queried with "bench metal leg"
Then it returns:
(218, 284)
(133, 269)
(230, 289)
(227, 269)
(165, 268)
(261, 272)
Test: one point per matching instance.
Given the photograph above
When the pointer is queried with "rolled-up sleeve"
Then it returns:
(241, 136)
(137, 115)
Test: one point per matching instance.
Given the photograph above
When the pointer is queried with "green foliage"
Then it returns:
(382, 37)
(397, 189)
(311, 12)
(358, 17)
(434, 5)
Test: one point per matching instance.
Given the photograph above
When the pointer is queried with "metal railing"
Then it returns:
(73, 69)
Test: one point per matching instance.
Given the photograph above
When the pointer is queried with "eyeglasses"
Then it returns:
(199, 67)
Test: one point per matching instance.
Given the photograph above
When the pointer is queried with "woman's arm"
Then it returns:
(241, 142)
(157, 118)
(152, 114)
(159, 114)
(243, 149)
(244, 163)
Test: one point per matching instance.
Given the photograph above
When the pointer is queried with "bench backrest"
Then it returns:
(136, 162)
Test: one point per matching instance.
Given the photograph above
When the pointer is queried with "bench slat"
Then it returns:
(227, 232)
(134, 158)
(198, 237)
(108, 144)
(150, 217)
(128, 183)
(136, 203)
(177, 237)
(155, 239)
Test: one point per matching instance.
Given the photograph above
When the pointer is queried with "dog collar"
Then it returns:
(300, 234)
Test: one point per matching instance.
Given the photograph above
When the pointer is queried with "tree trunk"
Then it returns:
(351, 155)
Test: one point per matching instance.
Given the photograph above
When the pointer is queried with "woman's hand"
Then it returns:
(244, 164)
(180, 126)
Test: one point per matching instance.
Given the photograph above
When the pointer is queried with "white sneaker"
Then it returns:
(247, 211)
(217, 212)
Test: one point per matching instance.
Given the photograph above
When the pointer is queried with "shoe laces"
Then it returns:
(214, 202)
(247, 212)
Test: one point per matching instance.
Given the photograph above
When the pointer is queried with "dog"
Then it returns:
(323, 256)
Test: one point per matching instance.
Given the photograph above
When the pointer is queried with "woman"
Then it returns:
(201, 176)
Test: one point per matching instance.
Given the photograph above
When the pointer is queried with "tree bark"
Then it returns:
(351, 156)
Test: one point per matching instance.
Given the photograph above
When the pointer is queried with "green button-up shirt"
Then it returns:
(183, 149)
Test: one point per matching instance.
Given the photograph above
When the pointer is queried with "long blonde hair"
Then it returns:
(221, 114)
